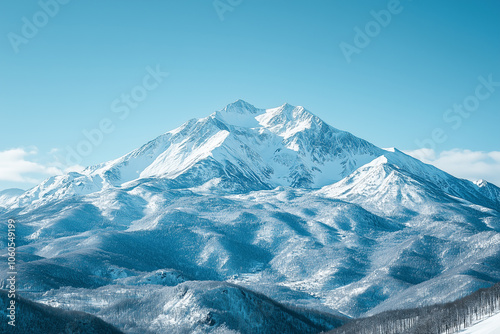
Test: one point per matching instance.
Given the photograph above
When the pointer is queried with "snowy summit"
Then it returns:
(253, 220)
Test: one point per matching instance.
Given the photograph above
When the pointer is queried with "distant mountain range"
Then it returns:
(249, 219)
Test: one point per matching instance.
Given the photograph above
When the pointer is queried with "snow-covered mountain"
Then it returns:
(35, 318)
(237, 149)
(241, 148)
(274, 204)
(9, 196)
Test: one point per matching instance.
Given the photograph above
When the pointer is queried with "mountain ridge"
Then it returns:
(243, 148)
(292, 209)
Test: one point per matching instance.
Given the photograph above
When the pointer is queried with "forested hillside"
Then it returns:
(36, 318)
(436, 319)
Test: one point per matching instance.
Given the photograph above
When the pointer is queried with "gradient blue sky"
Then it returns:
(394, 92)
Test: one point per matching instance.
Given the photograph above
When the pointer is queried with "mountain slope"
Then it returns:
(393, 174)
(193, 307)
(237, 149)
(272, 200)
(241, 148)
(37, 318)
(268, 241)
(476, 313)
(8, 196)
(487, 326)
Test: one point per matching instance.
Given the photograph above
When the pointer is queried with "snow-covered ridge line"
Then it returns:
(272, 200)
(242, 148)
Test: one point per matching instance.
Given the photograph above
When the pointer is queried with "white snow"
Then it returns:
(490, 325)
(274, 200)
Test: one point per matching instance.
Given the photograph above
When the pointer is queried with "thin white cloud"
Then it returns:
(20, 165)
(472, 165)
(16, 166)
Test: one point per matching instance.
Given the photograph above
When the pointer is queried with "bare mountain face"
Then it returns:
(273, 207)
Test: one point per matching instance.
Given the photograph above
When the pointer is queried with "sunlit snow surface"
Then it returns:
(490, 325)
(178, 233)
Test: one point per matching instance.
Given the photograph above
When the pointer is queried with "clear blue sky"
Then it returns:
(393, 92)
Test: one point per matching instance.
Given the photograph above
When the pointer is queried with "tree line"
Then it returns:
(445, 318)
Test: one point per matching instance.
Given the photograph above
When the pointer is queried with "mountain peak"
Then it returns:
(289, 109)
(242, 148)
(239, 113)
(287, 105)
(240, 107)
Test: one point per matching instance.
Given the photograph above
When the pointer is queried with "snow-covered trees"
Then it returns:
(436, 319)
(37, 318)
